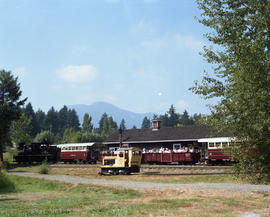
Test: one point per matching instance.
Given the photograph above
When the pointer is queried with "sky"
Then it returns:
(140, 55)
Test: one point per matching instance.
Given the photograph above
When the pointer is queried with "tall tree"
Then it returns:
(241, 80)
(73, 120)
(40, 117)
(146, 123)
(123, 124)
(20, 130)
(87, 126)
(62, 119)
(51, 121)
(29, 112)
(10, 105)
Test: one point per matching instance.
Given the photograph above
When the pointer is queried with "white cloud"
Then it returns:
(182, 104)
(77, 74)
(159, 94)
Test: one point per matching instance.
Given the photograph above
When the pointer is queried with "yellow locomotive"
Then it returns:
(126, 161)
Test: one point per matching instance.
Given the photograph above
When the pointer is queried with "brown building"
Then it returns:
(157, 137)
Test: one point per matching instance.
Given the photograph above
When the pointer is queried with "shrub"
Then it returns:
(44, 167)
(6, 185)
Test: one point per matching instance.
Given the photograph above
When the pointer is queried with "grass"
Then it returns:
(35, 197)
(173, 179)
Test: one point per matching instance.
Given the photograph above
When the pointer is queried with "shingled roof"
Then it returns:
(185, 133)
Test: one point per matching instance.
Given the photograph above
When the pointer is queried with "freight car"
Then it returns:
(79, 152)
(37, 152)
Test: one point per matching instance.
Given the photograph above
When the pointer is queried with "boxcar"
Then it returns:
(79, 152)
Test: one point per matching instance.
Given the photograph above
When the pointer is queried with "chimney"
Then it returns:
(156, 124)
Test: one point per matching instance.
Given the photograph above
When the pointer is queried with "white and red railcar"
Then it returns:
(216, 150)
(78, 152)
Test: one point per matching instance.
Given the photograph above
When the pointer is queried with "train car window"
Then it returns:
(77, 148)
(211, 145)
(81, 148)
(73, 148)
(225, 144)
(69, 148)
(218, 144)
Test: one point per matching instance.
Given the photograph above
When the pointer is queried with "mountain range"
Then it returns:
(97, 109)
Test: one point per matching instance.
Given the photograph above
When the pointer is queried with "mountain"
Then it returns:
(97, 109)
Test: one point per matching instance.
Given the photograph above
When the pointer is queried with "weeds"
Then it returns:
(44, 167)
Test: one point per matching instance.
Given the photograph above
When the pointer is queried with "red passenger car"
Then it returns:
(79, 152)
(216, 150)
(166, 158)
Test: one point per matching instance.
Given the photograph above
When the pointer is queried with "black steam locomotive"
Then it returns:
(37, 152)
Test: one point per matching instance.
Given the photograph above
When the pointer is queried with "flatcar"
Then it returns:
(79, 152)
(216, 150)
(37, 152)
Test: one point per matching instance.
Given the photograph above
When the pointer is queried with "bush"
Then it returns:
(44, 167)
(6, 185)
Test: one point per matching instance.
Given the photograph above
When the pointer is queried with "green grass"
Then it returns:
(37, 197)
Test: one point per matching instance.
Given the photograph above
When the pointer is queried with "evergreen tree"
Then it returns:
(241, 58)
(101, 122)
(87, 126)
(29, 112)
(185, 119)
(40, 117)
(51, 121)
(73, 120)
(20, 130)
(146, 123)
(10, 106)
(63, 119)
(123, 124)
(173, 117)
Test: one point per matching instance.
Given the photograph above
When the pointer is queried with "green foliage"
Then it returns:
(90, 137)
(6, 185)
(21, 129)
(87, 126)
(29, 113)
(45, 136)
(173, 119)
(10, 105)
(106, 125)
(44, 167)
(241, 82)
(123, 125)
(70, 136)
(146, 123)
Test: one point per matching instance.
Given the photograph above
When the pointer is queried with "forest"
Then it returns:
(63, 126)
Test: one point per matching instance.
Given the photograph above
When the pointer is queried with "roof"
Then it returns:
(165, 134)
(75, 144)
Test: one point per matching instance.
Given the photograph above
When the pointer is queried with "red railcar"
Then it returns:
(167, 158)
(216, 150)
(79, 152)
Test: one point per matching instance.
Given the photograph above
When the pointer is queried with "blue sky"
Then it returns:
(140, 55)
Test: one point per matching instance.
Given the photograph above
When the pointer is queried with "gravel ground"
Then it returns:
(148, 185)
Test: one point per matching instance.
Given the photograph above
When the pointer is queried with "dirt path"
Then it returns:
(149, 185)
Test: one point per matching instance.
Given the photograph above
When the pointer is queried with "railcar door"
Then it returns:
(204, 152)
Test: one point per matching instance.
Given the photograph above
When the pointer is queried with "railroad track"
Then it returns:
(171, 167)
